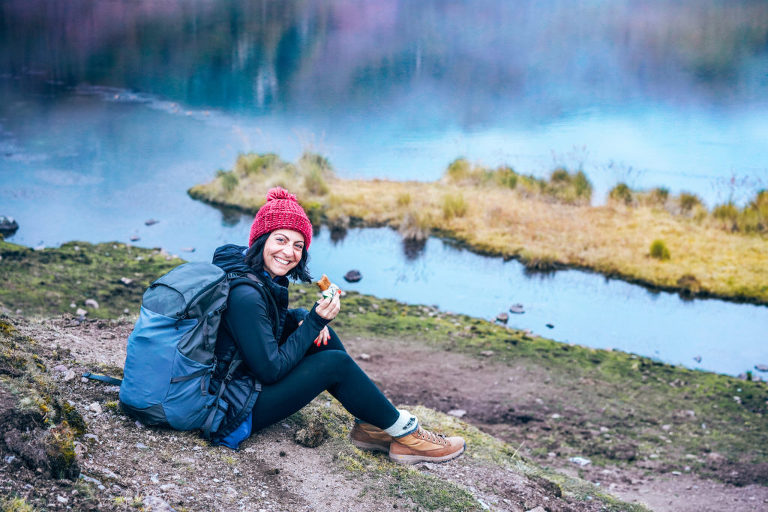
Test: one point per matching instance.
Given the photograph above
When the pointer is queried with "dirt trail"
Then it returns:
(512, 403)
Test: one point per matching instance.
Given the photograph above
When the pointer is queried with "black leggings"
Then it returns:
(327, 367)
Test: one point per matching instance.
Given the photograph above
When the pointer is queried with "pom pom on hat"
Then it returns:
(279, 193)
(281, 211)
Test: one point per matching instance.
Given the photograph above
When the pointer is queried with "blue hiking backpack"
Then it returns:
(170, 355)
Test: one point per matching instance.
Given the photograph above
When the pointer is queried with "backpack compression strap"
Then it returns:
(103, 378)
(211, 415)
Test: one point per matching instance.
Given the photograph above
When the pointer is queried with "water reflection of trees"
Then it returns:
(413, 249)
(259, 55)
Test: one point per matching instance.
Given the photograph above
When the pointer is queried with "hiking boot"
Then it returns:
(368, 437)
(424, 446)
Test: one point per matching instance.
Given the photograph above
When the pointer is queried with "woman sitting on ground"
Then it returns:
(291, 355)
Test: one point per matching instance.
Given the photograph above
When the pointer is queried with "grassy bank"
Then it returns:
(61, 280)
(622, 408)
(653, 239)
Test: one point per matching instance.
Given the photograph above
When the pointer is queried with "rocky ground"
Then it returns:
(117, 464)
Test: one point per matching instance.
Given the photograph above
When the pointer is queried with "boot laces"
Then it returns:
(431, 436)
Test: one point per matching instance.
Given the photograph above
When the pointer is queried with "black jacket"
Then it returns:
(268, 340)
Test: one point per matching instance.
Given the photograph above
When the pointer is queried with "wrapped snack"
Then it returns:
(327, 288)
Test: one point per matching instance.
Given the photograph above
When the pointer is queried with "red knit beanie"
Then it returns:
(281, 211)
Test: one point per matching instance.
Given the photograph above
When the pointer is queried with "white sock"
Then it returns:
(404, 425)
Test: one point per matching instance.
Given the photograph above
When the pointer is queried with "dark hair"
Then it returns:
(254, 258)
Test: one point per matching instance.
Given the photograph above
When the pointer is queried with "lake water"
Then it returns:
(109, 111)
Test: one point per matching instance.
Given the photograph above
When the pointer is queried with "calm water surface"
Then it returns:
(109, 111)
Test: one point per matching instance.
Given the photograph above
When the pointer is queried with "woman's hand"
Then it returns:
(323, 337)
(328, 309)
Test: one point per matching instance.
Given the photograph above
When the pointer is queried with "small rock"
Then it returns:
(126, 311)
(761, 367)
(92, 437)
(517, 309)
(581, 461)
(364, 357)
(142, 446)
(502, 318)
(459, 413)
(91, 303)
(62, 499)
(90, 479)
(8, 459)
(69, 375)
(154, 479)
(72, 305)
(80, 448)
(8, 225)
(313, 434)
(555, 416)
(155, 504)
(134, 238)
(551, 326)
(95, 407)
(126, 281)
(60, 368)
(167, 487)
(537, 509)
(151, 222)
(353, 276)
(81, 312)
(487, 353)
(188, 249)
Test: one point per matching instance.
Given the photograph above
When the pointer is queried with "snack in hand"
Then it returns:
(327, 288)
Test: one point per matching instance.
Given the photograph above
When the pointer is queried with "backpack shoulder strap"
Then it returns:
(238, 278)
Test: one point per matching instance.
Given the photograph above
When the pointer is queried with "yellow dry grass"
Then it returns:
(612, 239)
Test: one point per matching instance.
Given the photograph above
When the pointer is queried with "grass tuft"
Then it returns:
(454, 205)
(659, 250)
(621, 194)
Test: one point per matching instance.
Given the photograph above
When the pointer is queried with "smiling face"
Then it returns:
(282, 251)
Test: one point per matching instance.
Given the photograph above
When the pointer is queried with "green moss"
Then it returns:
(73, 418)
(15, 504)
(49, 280)
(60, 449)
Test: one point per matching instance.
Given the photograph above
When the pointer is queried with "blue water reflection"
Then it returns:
(656, 93)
